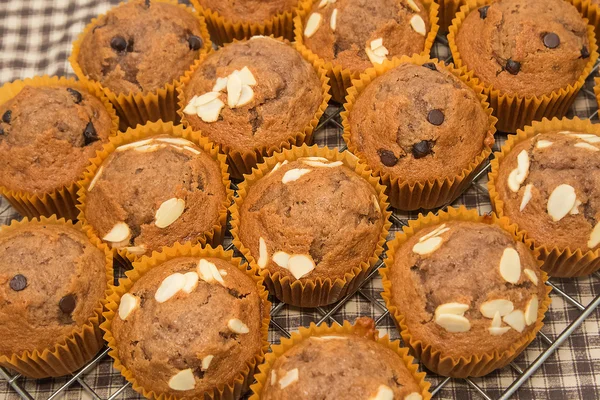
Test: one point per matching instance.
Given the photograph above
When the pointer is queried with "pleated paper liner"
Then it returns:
(589, 10)
(62, 200)
(340, 78)
(224, 31)
(434, 358)
(140, 107)
(226, 391)
(75, 350)
(323, 330)
(241, 163)
(448, 10)
(435, 192)
(213, 236)
(515, 111)
(558, 261)
(308, 292)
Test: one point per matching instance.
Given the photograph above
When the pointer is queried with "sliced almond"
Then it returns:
(300, 265)
(215, 273)
(498, 331)
(433, 233)
(575, 209)
(451, 308)
(263, 254)
(169, 287)
(237, 326)
(374, 58)
(183, 380)
(522, 166)
(323, 3)
(513, 182)
(277, 166)
(273, 377)
(134, 144)
(542, 144)
(210, 112)
(319, 164)
(223, 272)
(312, 158)
(531, 275)
(383, 393)
(376, 203)
(531, 310)
(234, 90)
(312, 24)
(418, 25)
(333, 20)
(96, 177)
(246, 76)
(169, 212)
(561, 201)
(381, 51)
(137, 250)
(206, 98)
(510, 265)
(128, 304)
(220, 85)
(587, 146)
(191, 149)
(526, 197)
(246, 96)
(376, 43)
(150, 148)
(453, 323)
(413, 6)
(588, 137)
(208, 272)
(294, 174)
(594, 237)
(428, 246)
(289, 378)
(176, 141)
(119, 233)
(191, 282)
(190, 108)
(281, 258)
(515, 320)
(497, 320)
(206, 362)
(501, 306)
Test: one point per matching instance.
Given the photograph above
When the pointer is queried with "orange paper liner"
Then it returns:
(141, 107)
(226, 391)
(433, 358)
(345, 329)
(62, 200)
(241, 163)
(341, 78)
(310, 292)
(213, 236)
(224, 31)
(589, 10)
(434, 192)
(516, 111)
(558, 261)
(75, 350)
(448, 10)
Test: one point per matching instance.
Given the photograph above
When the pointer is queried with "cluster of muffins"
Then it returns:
(190, 320)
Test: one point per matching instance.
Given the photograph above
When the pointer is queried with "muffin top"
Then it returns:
(357, 34)
(311, 218)
(155, 192)
(51, 280)
(140, 46)
(526, 48)
(189, 325)
(550, 186)
(253, 11)
(419, 123)
(251, 94)
(340, 366)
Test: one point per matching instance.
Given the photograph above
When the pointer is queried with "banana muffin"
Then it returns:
(253, 11)
(526, 48)
(550, 187)
(356, 34)
(47, 136)
(189, 325)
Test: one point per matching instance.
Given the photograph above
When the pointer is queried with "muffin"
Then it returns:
(189, 323)
(352, 363)
(547, 181)
(456, 328)
(253, 98)
(49, 128)
(53, 282)
(416, 122)
(155, 186)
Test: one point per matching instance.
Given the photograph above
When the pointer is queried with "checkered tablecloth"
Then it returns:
(35, 39)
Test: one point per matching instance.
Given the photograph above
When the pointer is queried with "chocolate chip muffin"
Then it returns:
(142, 45)
(550, 187)
(253, 11)
(356, 34)
(47, 136)
(154, 192)
(526, 48)
(189, 325)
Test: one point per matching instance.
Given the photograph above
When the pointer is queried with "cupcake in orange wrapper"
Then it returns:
(352, 361)
(253, 98)
(422, 126)
(49, 128)
(313, 222)
(229, 20)
(54, 281)
(552, 52)
(349, 36)
(154, 186)
(467, 294)
(546, 181)
(188, 322)
(138, 52)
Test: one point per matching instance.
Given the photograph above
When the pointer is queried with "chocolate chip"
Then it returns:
(430, 65)
(118, 43)
(435, 117)
(130, 45)
(195, 42)
(76, 95)
(7, 116)
(551, 40)
(513, 67)
(387, 157)
(585, 53)
(483, 12)
(147, 3)
(1, 131)
(421, 149)
(18, 283)
(67, 304)
(89, 134)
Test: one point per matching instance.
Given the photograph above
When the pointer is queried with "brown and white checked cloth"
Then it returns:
(35, 39)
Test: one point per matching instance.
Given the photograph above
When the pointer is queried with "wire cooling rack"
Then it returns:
(574, 376)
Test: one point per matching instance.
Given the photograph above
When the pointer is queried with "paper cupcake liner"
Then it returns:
(340, 78)
(226, 391)
(435, 192)
(138, 108)
(75, 350)
(433, 358)
(448, 10)
(558, 261)
(62, 200)
(346, 328)
(224, 31)
(310, 292)
(214, 236)
(241, 163)
(589, 10)
(516, 111)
